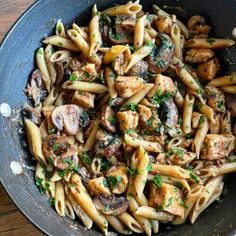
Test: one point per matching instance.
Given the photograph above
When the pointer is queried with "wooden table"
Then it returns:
(12, 222)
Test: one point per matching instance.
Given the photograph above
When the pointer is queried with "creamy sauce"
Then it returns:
(5, 110)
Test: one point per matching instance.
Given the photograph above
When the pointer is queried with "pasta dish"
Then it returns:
(131, 119)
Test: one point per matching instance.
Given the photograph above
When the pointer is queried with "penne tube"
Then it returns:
(200, 136)
(35, 141)
(95, 10)
(153, 33)
(205, 196)
(51, 98)
(223, 81)
(41, 63)
(69, 210)
(130, 9)
(104, 50)
(95, 35)
(229, 89)
(60, 29)
(81, 32)
(139, 32)
(110, 79)
(152, 213)
(61, 55)
(40, 175)
(187, 113)
(61, 42)
(118, 225)
(113, 52)
(87, 221)
(176, 38)
(136, 98)
(130, 222)
(55, 177)
(179, 100)
(210, 43)
(89, 144)
(145, 102)
(207, 111)
(146, 37)
(76, 37)
(172, 180)
(215, 127)
(138, 55)
(145, 223)
(50, 192)
(191, 198)
(81, 196)
(43, 129)
(225, 123)
(216, 171)
(141, 178)
(59, 199)
(85, 86)
(52, 72)
(155, 226)
(158, 11)
(147, 145)
(174, 171)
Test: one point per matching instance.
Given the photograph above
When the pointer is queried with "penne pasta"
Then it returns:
(207, 111)
(69, 210)
(229, 89)
(210, 43)
(110, 79)
(176, 37)
(51, 98)
(223, 81)
(91, 138)
(225, 123)
(81, 32)
(215, 127)
(60, 29)
(130, 9)
(60, 199)
(113, 52)
(139, 32)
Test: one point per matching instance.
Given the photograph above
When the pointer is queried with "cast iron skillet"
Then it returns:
(16, 63)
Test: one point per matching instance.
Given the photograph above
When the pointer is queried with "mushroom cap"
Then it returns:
(111, 204)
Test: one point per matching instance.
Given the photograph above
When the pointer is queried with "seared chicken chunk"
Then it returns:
(216, 98)
(118, 179)
(128, 85)
(163, 84)
(208, 70)
(127, 119)
(84, 99)
(98, 186)
(197, 55)
(144, 112)
(217, 146)
(108, 119)
(168, 198)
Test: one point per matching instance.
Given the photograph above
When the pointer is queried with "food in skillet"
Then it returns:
(131, 121)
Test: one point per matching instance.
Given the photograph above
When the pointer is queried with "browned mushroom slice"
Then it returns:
(139, 69)
(35, 88)
(119, 35)
(116, 102)
(106, 143)
(32, 114)
(66, 162)
(69, 117)
(108, 119)
(111, 204)
(162, 55)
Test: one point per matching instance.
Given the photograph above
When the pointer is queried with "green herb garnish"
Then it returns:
(73, 77)
(157, 180)
(114, 180)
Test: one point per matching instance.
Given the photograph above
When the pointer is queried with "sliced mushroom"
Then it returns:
(162, 55)
(106, 143)
(66, 161)
(139, 69)
(108, 119)
(116, 102)
(84, 175)
(169, 113)
(35, 88)
(118, 35)
(111, 204)
(74, 64)
(69, 117)
(32, 114)
(230, 101)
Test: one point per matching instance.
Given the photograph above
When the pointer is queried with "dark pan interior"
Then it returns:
(16, 63)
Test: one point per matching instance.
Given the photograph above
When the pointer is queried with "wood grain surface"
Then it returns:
(12, 222)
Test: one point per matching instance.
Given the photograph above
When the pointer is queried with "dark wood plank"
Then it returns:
(12, 222)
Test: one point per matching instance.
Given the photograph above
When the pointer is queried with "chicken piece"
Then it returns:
(196, 116)
(168, 198)
(197, 55)
(98, 186)
(108, 119)
(118, 179)
(145, 113)
(86, 73)
(163, 84)
(84, 99)
(182, 159)
(127, 120)
(128, 85)
(208, 70)
(215, 98)
(217, 146)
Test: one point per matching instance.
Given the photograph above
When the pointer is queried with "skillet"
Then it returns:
(16, 63)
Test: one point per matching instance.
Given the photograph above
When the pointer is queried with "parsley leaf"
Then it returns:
(158, 98)
(133, 171)
(157, 180)
(86, 158)
(149, 166)
(73, 77)
(113, 180)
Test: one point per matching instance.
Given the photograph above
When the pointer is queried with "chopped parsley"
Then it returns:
(133, 171)
(105, 183)
(157, 180)
(170, 202)
(201, 119)
(39, 184)
(52, 131)
(114, 180)
(161, 64)
(62, 173)
(178, 185)
(105, 164)
(158, 98)
(131, 106)
(51, 202)
(182, 204)
(73, 77)
(149, 166)
(56, 147)
(179, 152)
(131, 48)
(210, 40)
(51, 160)
(192, 175)
(150, 44)
(67, 161)
(117, 36)
(130, 131)
(112, 120)
(71, 185)
(86, 158)
(220, 105)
